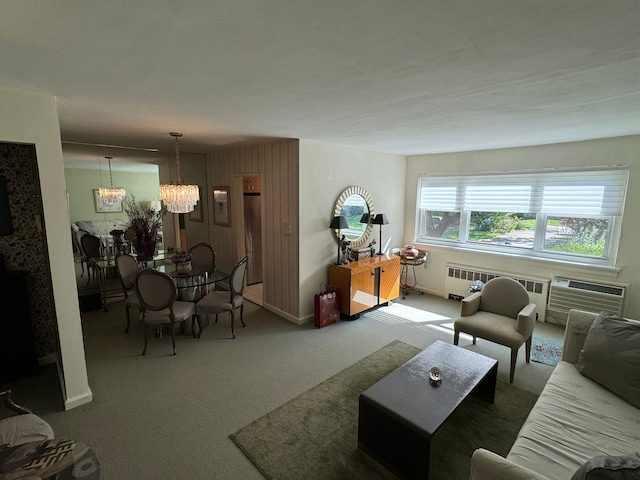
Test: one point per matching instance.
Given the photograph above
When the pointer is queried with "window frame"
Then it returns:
(614, 180)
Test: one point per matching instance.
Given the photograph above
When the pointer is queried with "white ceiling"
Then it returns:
(405, 77)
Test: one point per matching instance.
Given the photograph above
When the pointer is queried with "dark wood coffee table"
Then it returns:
(399, 415)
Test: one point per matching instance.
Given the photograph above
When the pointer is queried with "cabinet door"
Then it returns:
(390, 280)
(362, 291)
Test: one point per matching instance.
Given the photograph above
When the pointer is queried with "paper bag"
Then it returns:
(326, 308)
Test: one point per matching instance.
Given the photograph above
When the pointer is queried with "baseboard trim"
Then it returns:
(285, 315)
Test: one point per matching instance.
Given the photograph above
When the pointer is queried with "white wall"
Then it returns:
(325, 171)
(612, 151)
(33, 119)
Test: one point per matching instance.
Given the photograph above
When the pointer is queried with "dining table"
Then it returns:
(106, 270)
(194, 284)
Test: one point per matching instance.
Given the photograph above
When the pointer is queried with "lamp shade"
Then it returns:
(380, 219)
(364, 218)
(339, 222)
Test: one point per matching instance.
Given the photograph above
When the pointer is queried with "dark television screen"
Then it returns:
(5, 213)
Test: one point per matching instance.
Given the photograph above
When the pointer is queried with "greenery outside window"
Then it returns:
(567, 215)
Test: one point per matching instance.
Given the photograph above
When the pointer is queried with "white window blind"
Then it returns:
(595, 192)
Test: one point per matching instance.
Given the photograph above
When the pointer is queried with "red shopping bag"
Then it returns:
(326, 306)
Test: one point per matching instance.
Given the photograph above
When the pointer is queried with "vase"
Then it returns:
(183, 267)
(144, 248)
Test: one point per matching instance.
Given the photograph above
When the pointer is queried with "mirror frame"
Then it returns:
(337, 209)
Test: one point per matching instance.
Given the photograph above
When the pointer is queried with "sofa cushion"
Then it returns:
(611, 356)
(609, 467)
(574, 420)
(87, 226)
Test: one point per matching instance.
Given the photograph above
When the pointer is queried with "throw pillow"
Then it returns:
(87, 226)
(611, 356)
(607, 467)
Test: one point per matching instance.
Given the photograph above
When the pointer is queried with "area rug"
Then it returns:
(315, 435)
(547, 351)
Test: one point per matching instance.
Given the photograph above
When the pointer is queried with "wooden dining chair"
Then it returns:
(203, 259)
(225, 301)
(77, 238)
(157, 294)
(127, 268)
(92, 248)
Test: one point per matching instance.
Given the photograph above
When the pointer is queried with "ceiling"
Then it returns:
(408, 77)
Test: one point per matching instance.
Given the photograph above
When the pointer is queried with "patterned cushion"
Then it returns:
(87, 226)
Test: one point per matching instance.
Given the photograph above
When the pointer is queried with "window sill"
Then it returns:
(603, 269)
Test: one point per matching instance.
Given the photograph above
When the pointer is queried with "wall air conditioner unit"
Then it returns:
(565, 294)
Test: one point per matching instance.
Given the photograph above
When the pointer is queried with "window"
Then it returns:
(567, 215)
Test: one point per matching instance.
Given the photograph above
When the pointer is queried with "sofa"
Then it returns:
(576, 422)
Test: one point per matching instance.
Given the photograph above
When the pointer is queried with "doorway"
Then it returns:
(252, 214)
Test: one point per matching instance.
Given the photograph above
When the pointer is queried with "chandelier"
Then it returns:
(179, 198)
(111, 195)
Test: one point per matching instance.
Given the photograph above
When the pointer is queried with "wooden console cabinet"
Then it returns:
(366, 283)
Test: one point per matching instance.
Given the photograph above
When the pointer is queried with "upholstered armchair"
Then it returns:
(500, 313)
(22, 428)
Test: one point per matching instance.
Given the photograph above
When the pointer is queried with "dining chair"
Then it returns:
(92, 248)
(203, 259)
(225, 301)
(127, 268)
(157, 294)
(77, 240)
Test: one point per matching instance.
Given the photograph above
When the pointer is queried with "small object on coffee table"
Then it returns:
(435, 376)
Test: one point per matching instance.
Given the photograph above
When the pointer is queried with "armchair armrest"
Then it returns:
(6, 400)
(526, 320)
(470, 304)
(575, 332)
(486, 465)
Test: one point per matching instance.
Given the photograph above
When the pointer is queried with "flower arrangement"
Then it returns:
(181, 257)
(145, 217)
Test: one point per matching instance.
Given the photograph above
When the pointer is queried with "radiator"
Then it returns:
(458, 278)
(566, 294)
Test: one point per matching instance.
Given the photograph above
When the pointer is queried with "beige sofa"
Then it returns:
(574, 420)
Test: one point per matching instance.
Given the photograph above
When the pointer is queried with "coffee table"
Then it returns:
(399, 416)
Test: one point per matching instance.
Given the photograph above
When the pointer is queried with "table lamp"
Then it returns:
(380, 219)
(339, 222)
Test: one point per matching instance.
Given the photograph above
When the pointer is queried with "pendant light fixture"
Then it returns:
(111, 195)
(179, 198)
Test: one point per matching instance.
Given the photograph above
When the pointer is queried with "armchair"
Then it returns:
(500, 313)
(22, 428)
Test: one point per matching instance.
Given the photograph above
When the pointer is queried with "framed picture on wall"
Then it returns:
(221, 206)
(196, 214)
(102, 207)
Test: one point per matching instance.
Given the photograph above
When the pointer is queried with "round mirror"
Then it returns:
(356, 205)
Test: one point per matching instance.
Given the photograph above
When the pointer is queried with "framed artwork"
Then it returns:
(196, 215)
(101, 207)
(221, 206)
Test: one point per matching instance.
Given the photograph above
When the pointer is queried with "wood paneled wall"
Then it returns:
(277, 163)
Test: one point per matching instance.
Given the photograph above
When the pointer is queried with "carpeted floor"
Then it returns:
(546, 350)
(314, 436)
